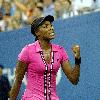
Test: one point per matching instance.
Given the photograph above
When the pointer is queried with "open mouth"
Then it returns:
(52, 33)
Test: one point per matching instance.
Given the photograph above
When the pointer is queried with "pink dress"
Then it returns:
(30, 55)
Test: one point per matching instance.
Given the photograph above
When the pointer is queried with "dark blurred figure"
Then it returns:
(4, 85)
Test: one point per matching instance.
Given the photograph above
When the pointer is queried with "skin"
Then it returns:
(44, 36)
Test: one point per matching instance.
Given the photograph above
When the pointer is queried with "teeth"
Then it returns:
(52, 33)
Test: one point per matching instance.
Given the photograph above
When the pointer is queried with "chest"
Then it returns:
(37, 64)
(47, 56)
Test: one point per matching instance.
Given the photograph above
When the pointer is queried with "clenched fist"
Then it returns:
(76, 51)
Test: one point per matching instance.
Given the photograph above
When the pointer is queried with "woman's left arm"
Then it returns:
(73, 73)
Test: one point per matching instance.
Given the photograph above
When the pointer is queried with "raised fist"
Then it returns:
(76, 51)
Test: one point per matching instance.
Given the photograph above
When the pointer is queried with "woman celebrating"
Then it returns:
(41, 60)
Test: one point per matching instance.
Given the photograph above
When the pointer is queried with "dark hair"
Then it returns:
(34, 26)
(36, 38)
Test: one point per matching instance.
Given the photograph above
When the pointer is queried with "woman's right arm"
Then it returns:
(19, 75)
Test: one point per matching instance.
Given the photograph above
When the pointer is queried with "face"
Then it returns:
(46, 31)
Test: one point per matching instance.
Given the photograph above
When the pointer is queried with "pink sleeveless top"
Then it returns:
(30, 55)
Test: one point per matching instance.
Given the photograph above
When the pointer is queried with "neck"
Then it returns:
(45, 44)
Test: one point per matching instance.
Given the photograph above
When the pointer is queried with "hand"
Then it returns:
(76, 51)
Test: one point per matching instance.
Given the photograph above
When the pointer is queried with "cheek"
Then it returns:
(44, 32)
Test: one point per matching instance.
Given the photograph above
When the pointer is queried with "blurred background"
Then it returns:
(16, 14)
(76, 22)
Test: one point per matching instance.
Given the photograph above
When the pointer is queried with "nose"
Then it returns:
(52, 28)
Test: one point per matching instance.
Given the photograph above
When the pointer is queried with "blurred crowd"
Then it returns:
(15, 14)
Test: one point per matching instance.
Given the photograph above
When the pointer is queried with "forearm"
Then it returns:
(15, 89)
(74, 75)
(19, 75)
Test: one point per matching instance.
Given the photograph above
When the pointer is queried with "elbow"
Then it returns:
(73, 79)
(75, 82)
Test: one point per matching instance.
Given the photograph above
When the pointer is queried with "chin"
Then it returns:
(51, 38)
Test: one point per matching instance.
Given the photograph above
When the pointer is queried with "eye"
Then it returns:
(48, 25)
(44, 26)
